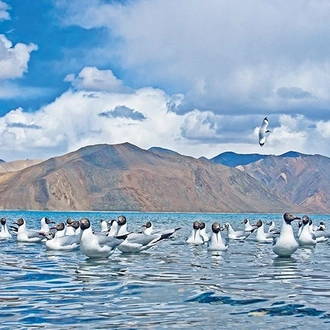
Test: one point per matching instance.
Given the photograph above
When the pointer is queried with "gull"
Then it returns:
(272, 226)
(216, 242)
(149, 229)
(262, 132)
(195, 237)
(4, 233)
(122, 226)
(26, 235)
(321, 226)
(76, 226)
(113, 228)
(202, 228)
(263, 237)
(306, 237)
(104, 226)
(137, 242)
(44, 222)
(60, 229)
(237, 234)
(95, 246)
(285, 244)
(69, 229)
(61, 242)
(247, 225)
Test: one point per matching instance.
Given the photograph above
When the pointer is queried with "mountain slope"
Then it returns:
(125, 177)
(304, 179)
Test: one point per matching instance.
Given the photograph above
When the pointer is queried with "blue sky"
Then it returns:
(197, 77)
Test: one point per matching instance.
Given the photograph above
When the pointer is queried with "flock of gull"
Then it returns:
(114, 235)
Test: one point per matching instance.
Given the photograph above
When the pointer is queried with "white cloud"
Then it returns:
(92, 79)
(227, 56)
(14, 60)
(4, 15)
(144, 118)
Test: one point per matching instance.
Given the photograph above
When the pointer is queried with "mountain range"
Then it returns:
(124, 177)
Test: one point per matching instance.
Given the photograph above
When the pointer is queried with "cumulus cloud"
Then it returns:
(293, 93)
(226, 57)
(92, 79)
(145, 117)
(4, 15)
(14, 60)
(123, 112)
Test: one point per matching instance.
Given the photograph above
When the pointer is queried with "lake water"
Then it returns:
(172, 285)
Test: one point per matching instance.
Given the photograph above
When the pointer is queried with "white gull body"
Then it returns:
(96, 246)
(306, 237)
(262, 132)
(285, 244)
(216, 242)
(195, 237)
(4, 233)
(272, 226)
(203, 233)
(236, 234)
(61, 242)
(44, 224)
(247, 226)
(136, 242)
(262, 236)
(149, 229)
(25, 235)
(113, 228)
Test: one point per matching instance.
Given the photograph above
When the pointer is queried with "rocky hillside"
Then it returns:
(125, 177)
(303, 179)
(18, 165)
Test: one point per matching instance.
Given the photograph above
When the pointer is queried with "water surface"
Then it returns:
(172, 285)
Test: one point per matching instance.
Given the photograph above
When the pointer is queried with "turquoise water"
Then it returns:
(172, 285)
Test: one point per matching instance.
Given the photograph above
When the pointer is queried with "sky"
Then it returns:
(193, 76)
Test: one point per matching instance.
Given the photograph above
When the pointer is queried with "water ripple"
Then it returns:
(173, 285)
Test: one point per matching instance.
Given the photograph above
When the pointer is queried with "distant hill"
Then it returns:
(17, 165)
(302, 179)
(233, 159)
(125, 177)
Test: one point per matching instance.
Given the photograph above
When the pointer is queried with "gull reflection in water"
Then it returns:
(285, 269)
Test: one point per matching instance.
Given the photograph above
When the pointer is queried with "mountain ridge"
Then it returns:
(126, 177)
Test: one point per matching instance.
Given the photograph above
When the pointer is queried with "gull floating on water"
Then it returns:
(44, 222)
(137, 242)
(104, 226)
(4, 233)
(262, 236)
(216, 242)
(306, 237)
(69, 228)
(272, 226)
(247, 226)
(195, 237)
(285, 244)
(149, 229)
(61, 242)
(27, 235)
(96, 246)
(113, 228)
(262, 132)
(237, 234)
(203, 233)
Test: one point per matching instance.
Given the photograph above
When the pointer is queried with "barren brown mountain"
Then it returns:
(125, 177)
(304, 180)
